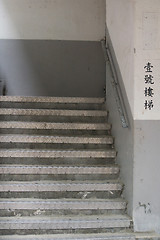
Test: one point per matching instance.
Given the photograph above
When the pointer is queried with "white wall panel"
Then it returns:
(147, 49)
(120, 24)
(52, 19)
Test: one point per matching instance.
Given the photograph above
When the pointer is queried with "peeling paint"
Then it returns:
(147, 207)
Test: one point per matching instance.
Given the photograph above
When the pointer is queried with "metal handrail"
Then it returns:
(115, 84)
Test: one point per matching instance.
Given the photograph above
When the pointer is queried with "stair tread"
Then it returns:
(127, 235)
(65, 182)
(60, 186)
(45, 169)
(116, 217)
(53, 112)
(63, 168)
(52, 125)
(60, 150)
(122, 235)
(51, 99)
(67, 200)
(19, 138)
(66, 222)
(60, 166)
(57, 153)
(68, 204)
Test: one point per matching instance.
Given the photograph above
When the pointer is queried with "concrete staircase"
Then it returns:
(59, 179)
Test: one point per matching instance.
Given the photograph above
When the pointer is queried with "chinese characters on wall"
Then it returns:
(149, 89)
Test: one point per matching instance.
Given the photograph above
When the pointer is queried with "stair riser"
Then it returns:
(64, 231)
(40, 105)
(41, 212)
(32, 177)
(54, 146)
(52, 100)
(54, 237)
(54, 132)
(56, 119)
(70, 224)
(58, 161)
(56, 195)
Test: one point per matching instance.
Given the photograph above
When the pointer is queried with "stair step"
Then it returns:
(52, 115)
(55, 223)
(100, 236)
(47, 186)
(42, 99)
(54, 139)
(68, 186)
(11, 172)
(42, 169)
(51, 112)
(67, 204)
(52, 103)
(57, 153)
(107, 236)
(56, 126)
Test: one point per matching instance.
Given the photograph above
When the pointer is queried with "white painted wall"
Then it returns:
(147, 45)
(120, 24)
(52, 19)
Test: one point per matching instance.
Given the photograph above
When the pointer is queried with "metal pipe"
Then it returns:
(115, 84)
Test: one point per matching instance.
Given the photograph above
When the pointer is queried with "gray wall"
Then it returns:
(124, 137)
(52, 68)
(146, 202)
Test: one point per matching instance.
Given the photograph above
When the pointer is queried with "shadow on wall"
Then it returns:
(3, 90)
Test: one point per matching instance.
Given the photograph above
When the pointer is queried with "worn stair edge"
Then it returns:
(52, 112)
(66, 204)
(42, 99)
(55, 126)
(42, 169)
(71, 186)
(19, 153)
(110, 221)
(19, 138)
(107, 236)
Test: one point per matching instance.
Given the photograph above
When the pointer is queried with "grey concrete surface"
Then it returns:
(146, 201)
(52, 68)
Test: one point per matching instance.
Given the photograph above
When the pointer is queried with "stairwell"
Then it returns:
(58, 171)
